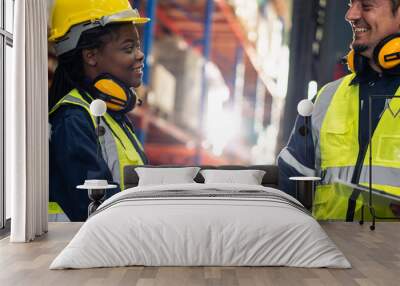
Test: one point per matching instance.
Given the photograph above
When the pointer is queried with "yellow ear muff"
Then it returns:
(118, 96)
(350, 61)
(388, 55)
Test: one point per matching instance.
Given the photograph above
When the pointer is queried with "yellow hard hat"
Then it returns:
(66, 15)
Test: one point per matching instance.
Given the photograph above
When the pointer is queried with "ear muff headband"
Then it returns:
(355, 62)
(387, 52)
(350, 61)
(117, 96)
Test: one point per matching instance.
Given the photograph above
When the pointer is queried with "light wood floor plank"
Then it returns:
(375, 257)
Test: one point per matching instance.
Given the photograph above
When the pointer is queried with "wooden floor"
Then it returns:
(375, 257)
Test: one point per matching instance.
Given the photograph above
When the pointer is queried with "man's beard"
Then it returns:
(358, 49)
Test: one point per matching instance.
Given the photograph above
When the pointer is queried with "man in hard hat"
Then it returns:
(99, 57)
(339, 123)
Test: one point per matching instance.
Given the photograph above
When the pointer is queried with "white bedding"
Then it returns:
(186, 230)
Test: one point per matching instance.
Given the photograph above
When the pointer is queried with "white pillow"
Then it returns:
(163, 176)
(248, 177)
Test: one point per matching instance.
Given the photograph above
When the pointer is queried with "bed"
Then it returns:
(201, 224)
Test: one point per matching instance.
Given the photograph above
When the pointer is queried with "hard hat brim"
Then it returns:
(124, 16)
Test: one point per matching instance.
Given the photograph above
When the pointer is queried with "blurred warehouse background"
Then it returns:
(223, 78)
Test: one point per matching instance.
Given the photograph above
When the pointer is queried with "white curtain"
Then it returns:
(26, 123)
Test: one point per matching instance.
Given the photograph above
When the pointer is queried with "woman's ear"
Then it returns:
(90, 57)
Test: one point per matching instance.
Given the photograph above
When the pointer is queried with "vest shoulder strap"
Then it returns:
(74, 98)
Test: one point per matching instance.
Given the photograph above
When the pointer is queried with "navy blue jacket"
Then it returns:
(73, 159)
(370, 83)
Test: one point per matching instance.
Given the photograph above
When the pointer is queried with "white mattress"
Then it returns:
(203, 231)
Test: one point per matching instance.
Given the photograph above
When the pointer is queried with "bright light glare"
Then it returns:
(221, 124)
(221, 130)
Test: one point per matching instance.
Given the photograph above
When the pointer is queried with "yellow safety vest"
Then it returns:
(335, 133)
(117, 149)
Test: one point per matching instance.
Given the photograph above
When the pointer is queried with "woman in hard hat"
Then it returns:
(99, 57)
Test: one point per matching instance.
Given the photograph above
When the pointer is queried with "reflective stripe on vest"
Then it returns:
(289, 159)
(335, 129)
(117, 149)
(380, 175)
(332, 174)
